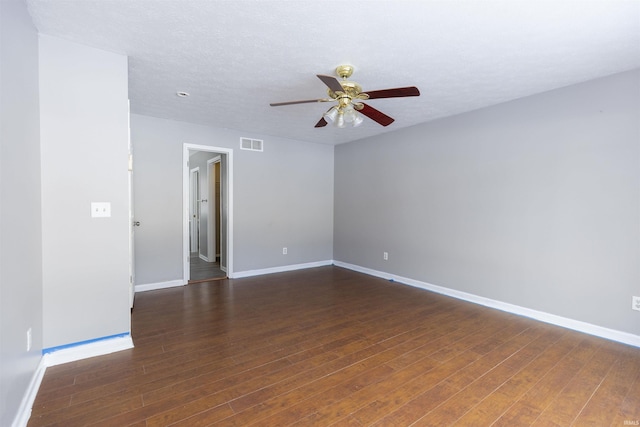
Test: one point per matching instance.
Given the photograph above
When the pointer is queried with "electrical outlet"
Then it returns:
(635, 303)
(385, 256)
(284, 251)
(100, 209)
(29, 342)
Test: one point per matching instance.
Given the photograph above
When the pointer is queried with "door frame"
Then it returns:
(228, 178)
(212, 215)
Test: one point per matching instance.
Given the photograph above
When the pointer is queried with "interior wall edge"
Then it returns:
(24, 411)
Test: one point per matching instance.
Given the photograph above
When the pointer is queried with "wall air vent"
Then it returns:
(251, 144)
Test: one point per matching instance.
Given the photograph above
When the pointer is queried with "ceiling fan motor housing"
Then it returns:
(351, 89)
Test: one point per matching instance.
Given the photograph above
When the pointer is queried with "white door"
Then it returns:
(132, 225)
(194, 211)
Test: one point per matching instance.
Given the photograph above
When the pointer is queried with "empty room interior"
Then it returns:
(357, 213)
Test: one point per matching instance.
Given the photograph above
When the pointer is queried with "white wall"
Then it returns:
(535, 202)
(20, 230)
(84, 136)
(282, 197)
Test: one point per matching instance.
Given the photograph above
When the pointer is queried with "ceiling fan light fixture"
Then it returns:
(339, 122)
(342, 117)
(331, 114)
(349, 114)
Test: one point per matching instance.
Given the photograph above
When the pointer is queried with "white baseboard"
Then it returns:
(204, 258)
(236, 275)
(158, 285)
(65, 354)
(249, 273)
(576, 325)
(84, 350)
(24, 411)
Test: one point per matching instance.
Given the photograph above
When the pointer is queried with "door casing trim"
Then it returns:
(228, 177)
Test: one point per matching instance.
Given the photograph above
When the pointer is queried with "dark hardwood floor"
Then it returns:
(329, 346)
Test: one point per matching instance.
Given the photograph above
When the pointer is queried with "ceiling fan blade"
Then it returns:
(394, 93)
(376, 115)
(321, 123)
(331, 82)
(306, 101)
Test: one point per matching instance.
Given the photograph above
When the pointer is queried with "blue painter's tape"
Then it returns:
(76, 344)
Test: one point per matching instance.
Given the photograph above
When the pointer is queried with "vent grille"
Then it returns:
(251, 144)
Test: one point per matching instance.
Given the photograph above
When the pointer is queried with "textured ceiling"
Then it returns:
(235, 57)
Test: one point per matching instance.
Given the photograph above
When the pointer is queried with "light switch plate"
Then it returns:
(100, 209)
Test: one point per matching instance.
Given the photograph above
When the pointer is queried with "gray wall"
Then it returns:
(535, 202)
(282, 197)
(84, 138)
(20, 230)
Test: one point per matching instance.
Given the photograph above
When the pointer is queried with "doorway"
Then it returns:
(208, 206)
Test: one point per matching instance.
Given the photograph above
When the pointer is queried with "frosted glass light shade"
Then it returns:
(343, 116)
(331, 114)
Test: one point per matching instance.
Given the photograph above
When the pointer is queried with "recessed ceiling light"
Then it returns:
(182, 94)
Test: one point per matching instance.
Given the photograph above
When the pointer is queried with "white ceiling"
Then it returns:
(235, 57)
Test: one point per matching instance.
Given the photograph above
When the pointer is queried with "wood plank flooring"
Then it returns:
(332, 347)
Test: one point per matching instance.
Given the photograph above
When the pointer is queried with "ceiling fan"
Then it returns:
(349, 95)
